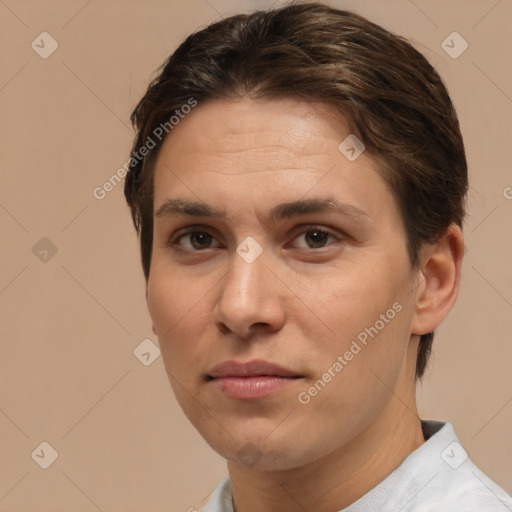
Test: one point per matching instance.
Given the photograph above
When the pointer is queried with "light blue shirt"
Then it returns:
(437, 477)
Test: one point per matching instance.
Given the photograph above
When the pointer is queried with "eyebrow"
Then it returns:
(185, 207)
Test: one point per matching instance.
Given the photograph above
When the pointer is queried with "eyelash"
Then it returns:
(174, 244)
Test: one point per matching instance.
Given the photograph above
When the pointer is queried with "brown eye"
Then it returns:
(200, 240)
(196, 240)
(317, 238)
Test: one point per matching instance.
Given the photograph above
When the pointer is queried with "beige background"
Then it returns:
(69, 325)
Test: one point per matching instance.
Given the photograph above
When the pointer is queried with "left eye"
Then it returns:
(316, 237)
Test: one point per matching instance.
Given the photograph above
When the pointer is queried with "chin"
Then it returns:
(262, 453)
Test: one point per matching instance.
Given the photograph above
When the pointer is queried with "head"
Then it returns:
(254, 112)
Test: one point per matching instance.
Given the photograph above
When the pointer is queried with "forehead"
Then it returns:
(266, 149)
(225, 128)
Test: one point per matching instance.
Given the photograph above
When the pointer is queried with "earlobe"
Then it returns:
(440, 268)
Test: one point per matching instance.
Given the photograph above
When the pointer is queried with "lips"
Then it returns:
(252, 380)
(254, 368)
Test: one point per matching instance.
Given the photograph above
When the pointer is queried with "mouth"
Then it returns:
(251, 380)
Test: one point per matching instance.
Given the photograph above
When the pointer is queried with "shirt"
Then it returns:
(436, 477)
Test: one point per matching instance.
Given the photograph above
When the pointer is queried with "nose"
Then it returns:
(250, 299)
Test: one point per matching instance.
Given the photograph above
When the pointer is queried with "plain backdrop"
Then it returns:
(72, 307)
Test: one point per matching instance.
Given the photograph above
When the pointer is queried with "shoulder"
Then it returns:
(221, 499)
(455, 483)
(466, 489)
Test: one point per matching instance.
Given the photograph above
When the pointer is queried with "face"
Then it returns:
(323, 292)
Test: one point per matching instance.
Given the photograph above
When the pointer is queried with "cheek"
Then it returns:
(365, 315)
(365, 374)
(173, 298)
(175, 315)
(346, 300)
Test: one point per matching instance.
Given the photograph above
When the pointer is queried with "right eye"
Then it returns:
(198, 240)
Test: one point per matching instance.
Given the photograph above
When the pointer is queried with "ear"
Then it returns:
(440, 268)
(152, 324)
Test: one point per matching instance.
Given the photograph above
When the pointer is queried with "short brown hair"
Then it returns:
(393, 99)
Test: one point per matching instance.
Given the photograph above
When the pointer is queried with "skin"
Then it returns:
(300, 304)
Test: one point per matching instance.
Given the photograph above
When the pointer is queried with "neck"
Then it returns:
(342, 477)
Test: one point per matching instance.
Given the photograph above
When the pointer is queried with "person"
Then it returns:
(298, 182)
